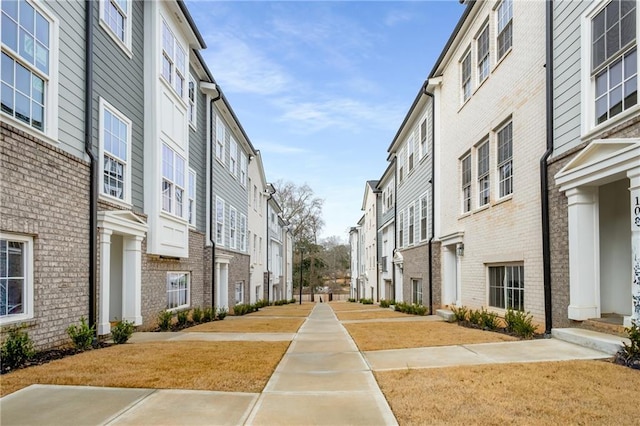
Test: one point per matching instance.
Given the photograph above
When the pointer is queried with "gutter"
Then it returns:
(88, 148)
(211, 197)
(544, 171)
(432, 180)
(268, 244)
(395, 223)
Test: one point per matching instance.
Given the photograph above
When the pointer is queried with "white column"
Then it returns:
(584, 257)
(634, 190)
(132, 279)
(104, 326)
(224, 285)
(218, 285)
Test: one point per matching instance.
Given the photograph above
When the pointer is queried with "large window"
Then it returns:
(115, 17)
(178, 290)
(423, 138)
(115, 153)
(243, 232)
(243, 169)
(412, 220)
(505, 27)
(191, 194)
(505, 160)
(233, 223)
(465, 76)
(193, 98)
(416, 291)
(220, 130)
(410, 152)
(423, 217)
(173, 176)
(239, 292)
(173, 60)
(483, 174)
(482, 45)
(614, 61)
(26, 69)
(219, 221)
(233, 157)
(16, 277)
(466, 183)
(506, 287)
(401, 229)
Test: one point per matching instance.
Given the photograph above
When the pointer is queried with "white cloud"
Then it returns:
(276, 148)
(396, 17)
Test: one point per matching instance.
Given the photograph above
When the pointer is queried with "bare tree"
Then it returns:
(302, 209)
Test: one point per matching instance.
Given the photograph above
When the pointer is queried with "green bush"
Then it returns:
(351, 299)
(183, 319)
(410, 308)
(164, 320)
(81, 335)
(475, 317)
(519, 323)
(242, 309)
(122, 331)
(489, 320)
(629, 355)
(222, 313)
(366, 301)
(385, 303)
(262, 303)
(459, 313)
(292, 300)
(17, 349)
(209, 314)
(196, 315)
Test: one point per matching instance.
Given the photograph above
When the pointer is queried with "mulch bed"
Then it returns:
(43, 357)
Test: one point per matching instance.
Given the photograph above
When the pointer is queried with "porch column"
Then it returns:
(224, 285)
(218, 285)
(584, 261)
(132, 279)
(104, 326)
(634, 190)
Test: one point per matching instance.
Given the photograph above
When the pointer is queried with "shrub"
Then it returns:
(209, 314)
(629, 355)
(475, 317)
(489, 320)
(122, 331)
(351, 299)
(183, 319)
(81, 335)
(519, 323)
(384, 303)
(262, 303)
(410, 308)
(366, 301)
(222, 312)
(292, 300)
(164, 320)
(17, 349)
(459, 313)
(196, 315)
(242, 309)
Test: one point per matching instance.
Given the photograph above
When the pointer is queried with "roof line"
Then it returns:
(192, 24)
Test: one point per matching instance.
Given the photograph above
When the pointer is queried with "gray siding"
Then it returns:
(198, 156)
(378, 224)
(566, 69)
(71, 71)
(119, 80)
(227, 186)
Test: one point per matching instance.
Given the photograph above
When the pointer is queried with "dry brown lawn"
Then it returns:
(550, 393)
(341, 306)
(377, 336)
(370, 314)
(290, 310)
(219, 366)
(248, 324)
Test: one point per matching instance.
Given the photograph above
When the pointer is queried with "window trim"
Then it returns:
(50, 132)
(28, 277)
(174, 183)
(173, 60)
(233, 227)
(487, 56)
(486, 174)
(504, 286)
(424, 216)
(243, 232)
(411, 224)
(188, 290)
(499, 164)
(243, 169)
(219, 237)
(468, 185)
(126, 201)
(464, 81)
(192, 109)
(192, 190)
(220, 130)
(499, 33)
(125, 45)
(416, 291)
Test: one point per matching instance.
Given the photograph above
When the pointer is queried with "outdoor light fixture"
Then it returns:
(460, 249)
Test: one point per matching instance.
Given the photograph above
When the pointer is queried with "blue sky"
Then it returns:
(321, 87)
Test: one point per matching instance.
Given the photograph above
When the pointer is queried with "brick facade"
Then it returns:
(238, 273)
(416, 266)
(44, 193)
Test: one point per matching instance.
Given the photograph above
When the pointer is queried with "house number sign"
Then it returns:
(636, 212)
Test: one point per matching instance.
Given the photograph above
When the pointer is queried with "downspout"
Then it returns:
(395, 223)
(268, 244)
(544, 170)
(432, 180)
(212, 212)
(88, 147)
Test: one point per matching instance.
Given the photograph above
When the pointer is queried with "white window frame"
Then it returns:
(243, 232)
(243, 169)
(233, 227)
(483, 59)
(484, 176)
(192, 96)
(401, 233)
(50, 115)
(411, 214)
(174, 276)
(125, 42)
(233, 157)
(177, 183)
(220, 135)
(424, 147)
(126, 200)
(239, 292)
(424, 217)
(177, 76)
(466, 86)
(192, 206)
(220, 221)
(505, 288)
(505, 165)
(589, 127)
(27, 276)
(466, 192)
(416, 291)
(411, 143)
(504, 26)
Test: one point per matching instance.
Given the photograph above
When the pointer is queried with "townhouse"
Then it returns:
(593, 166)
(370, 206)
(354, 261)
(258, 193)
(386, 233)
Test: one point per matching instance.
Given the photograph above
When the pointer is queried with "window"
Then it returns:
(243, 232)
(505, 156)
(173, 174)
(483, 54)
(239, 292)
(243, 169)
(219, 221)
(192, 100)
(483, 174)
(466, 184)
(614, 61)
(191, 212)
(233, 157)
(412, 219)
(423, 138)
(401, 160)
(27, 74)
(465, 71)
(115, 151)
(173, 60)
(220, 130)
(416, 291)
(410, 151)
(423, 218)
(233, 216)
(115, 19)
(16, 278)
(506, 287)
(254, 249)
(505, 23)
(178, 290)
(255, 197)
(401, 230)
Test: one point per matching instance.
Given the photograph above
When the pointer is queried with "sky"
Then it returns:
(322, 87)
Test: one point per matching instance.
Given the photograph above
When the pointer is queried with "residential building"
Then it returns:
(258, 193)
(386, 232)
(488, 85)
(370, 203)
(354, 259)
(594, 168)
